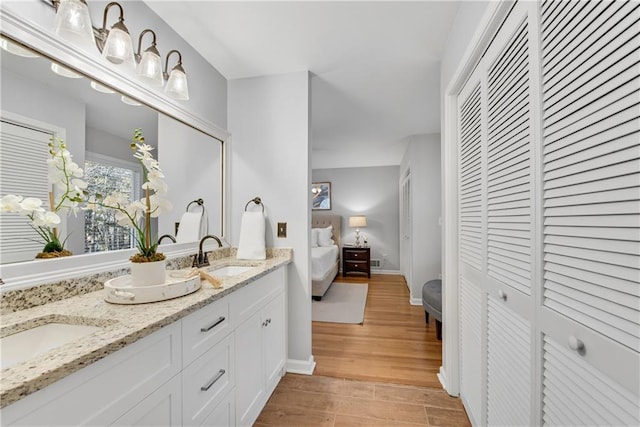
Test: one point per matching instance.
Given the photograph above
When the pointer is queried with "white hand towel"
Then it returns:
(252, 236)
(189, 229)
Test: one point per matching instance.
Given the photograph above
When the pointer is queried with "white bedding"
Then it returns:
(322, 259)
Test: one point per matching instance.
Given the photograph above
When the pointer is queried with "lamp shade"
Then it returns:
(150, 68)
(118, 48)
(358, 221)
(177, 86)
(73, 23)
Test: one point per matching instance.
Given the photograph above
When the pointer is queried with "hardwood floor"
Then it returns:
(380, 374)
(393, 345)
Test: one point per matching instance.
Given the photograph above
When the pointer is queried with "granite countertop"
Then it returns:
(120, 325)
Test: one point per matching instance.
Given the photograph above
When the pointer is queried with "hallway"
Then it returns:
(381, 373)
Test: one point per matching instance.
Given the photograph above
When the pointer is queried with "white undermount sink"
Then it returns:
(229, 270)
(32, 342)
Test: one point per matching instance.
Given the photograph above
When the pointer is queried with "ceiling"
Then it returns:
(375, 65)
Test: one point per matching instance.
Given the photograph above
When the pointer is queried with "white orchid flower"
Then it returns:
(10, 203)
(31, 204)
(45, 219)
(159, 205)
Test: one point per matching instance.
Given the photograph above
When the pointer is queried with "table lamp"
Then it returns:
(357, 222)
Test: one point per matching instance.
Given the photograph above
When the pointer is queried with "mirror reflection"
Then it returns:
(96, 125)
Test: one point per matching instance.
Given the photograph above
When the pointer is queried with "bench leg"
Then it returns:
(426, 317)
(438, 329)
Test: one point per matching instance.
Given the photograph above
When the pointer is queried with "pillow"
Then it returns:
(314, 237)
(324, 236)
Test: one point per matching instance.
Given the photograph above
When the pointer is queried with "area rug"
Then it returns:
(343, 303)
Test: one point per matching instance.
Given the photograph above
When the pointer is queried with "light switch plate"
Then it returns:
(282, 229)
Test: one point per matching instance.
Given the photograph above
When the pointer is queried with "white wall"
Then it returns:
(191, 163)
(373, 192)
(422, 158)
(269, 122)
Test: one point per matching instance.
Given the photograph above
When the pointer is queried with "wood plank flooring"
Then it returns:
(381, 373)
(393, 345)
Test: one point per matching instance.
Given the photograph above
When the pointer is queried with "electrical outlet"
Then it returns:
(282, 229)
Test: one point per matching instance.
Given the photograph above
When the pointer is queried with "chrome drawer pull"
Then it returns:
(207, 386)
(213, 325)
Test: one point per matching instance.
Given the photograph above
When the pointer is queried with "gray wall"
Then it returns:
(370, 191)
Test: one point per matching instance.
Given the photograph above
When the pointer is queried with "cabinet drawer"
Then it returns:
(204, 328)
(207, 381)
(356, 255)
(361, 266)
(248, 300)
(224, 414)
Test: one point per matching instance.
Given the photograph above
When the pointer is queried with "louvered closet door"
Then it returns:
(510, 178)
(471, 304)
(591, 302)
(23, 171)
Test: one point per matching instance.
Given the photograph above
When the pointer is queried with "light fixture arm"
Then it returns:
(177, 67)
(153, 48)
(103, 32)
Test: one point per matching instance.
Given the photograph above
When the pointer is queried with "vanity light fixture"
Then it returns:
(101, 88)
(64, 71)
(176, 87)
(115, 44)
(16, 49)
(73, 23)
(130, 101)
(149, 63)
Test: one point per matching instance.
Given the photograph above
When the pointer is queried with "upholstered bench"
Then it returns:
(432, 303)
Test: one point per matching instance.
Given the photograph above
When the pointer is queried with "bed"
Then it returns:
(325, 260)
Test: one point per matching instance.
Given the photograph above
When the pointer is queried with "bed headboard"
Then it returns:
(325, 220)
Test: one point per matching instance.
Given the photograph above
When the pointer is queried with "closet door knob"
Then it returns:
(575, 344)
(502, 295)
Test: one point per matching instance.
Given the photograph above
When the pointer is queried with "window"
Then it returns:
(104, 175)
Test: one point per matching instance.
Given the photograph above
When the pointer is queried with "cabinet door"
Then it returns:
(273, 321)
(162, 408)
(249, 371)
(223, 415)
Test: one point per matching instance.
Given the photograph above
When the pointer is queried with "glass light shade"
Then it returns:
(16, 49)
(130, 101)
(101, 88)
(358, 221)
(177, 85)
(150, 68)
(118, 48)
(64, 72)
(73, 23)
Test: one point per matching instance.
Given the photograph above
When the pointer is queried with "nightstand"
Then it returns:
(356, 260)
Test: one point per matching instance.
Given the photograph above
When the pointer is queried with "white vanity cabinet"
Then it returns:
(106, 390)
(260, 345)
(215, 367)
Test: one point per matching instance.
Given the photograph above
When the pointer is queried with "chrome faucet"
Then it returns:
(201, 260)
(168, 236)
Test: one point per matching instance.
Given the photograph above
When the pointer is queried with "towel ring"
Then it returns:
(255, 200)
(199, 202)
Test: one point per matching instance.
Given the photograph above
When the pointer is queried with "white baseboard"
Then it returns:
(373, 270)
(304, 367)
(415, 301)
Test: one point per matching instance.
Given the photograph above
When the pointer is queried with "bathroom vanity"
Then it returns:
(209, 358)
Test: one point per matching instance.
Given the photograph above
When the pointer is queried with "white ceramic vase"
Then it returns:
(148, 273)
